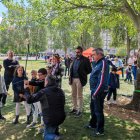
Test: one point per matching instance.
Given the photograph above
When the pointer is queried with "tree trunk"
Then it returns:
(128, 48)
(36, 54)
(65, 46)
(19, 51)
(135, 103)
(84, 43)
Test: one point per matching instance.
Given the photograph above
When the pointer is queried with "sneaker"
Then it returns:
(96, 133)
(73, 111)
(108, 102)
(88, 126)
(78, 114)
(2, 118)
(114, 102)
(32, 125)
(58, 138)
(41, 129)
(2, 105)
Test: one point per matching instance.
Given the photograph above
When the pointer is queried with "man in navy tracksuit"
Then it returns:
(109, 62)
(99, 90)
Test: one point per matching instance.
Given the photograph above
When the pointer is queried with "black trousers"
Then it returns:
(114, 91)
(8, 80)
(1, 96)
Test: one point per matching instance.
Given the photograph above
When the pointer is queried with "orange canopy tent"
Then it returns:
(88, 52)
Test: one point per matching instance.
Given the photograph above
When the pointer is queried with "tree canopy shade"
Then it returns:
(107, 12)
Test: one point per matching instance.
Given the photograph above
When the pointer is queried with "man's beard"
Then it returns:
(78, 56)
(10, 57)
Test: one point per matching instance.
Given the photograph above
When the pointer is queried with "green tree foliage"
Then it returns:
(121, 51)
(38, 38)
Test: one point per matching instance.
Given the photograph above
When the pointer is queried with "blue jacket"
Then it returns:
(109, 62)
(134, 70)
(113, 81)
(99, 77)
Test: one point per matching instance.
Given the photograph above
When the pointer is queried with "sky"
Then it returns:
(2, 9)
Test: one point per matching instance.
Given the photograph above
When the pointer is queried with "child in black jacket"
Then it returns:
(113, 84)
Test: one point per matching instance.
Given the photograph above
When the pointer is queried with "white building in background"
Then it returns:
(61, 52)
(107, 39)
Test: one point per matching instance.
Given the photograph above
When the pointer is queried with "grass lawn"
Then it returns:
(72, 128)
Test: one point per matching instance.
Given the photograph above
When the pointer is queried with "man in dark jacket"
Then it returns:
(99, 89)
(52, 101)
(67, 64)
(80, 68)
(9, 64)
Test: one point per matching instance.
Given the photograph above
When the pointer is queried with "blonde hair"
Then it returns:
(34, 71)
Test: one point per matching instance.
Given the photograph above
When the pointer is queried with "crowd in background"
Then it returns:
(43, 91)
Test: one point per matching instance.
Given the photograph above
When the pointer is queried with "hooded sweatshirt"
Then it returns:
(2, 85)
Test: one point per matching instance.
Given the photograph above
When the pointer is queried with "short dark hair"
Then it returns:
(135, 62)
(43, 71)
(79, 48)
(99, 50)
(130, 65)
(56, 54)
(15, 72)
(114, 69)
(49, 67)
(50, 78)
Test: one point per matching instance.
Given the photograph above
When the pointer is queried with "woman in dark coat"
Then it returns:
(57, 70)
(18, 88)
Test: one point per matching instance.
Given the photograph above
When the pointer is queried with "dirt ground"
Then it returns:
(119, 112)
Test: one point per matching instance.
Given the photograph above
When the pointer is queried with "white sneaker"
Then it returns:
(108, 102)
(114, 102)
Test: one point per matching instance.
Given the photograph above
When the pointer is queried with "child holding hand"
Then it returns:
(18, 88)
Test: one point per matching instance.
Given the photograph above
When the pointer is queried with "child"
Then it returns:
(2, 90)
(113, 83)
(36, 105)
(18, 88)
(134, 71)
(32, 88)
(49, 69)
(39, 85)
(128, 75)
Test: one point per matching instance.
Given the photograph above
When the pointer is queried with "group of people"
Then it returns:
(45, 95)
